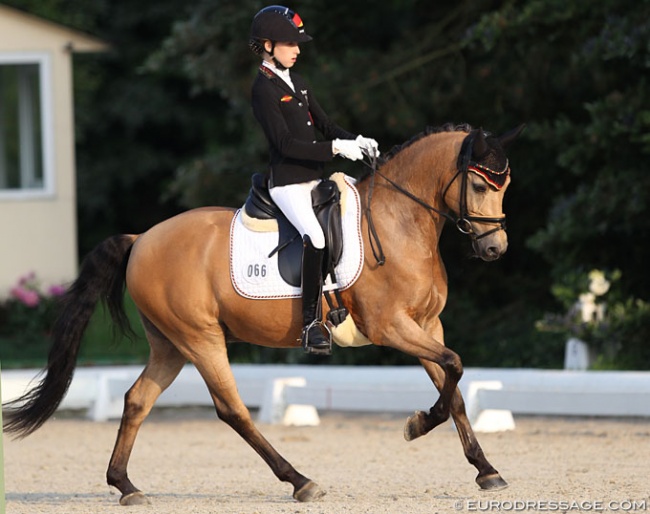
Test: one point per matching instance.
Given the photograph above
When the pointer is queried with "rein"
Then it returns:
(463, 221)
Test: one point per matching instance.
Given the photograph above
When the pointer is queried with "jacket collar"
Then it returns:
(268, 73)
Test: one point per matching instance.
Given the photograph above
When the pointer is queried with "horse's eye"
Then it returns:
(479, 188)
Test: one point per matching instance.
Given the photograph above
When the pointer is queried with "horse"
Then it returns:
(177, 273)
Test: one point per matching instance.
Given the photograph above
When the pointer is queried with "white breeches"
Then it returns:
(294, 200)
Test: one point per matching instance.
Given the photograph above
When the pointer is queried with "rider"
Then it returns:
(289, 114)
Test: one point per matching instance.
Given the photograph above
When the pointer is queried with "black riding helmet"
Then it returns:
(276, 23)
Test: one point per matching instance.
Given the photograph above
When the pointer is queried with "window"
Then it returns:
(25, 161)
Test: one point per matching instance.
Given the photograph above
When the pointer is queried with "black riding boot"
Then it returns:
(313, 338)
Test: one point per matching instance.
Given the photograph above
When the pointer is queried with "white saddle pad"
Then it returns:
(255, 275)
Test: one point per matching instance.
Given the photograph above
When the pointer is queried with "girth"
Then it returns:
(326, 204)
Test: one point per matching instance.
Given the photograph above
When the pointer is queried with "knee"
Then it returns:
(452, 364)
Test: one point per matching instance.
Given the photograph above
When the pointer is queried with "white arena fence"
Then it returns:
(293, 394)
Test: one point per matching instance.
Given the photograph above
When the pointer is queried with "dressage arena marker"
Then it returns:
(486, 419)
(277, 409)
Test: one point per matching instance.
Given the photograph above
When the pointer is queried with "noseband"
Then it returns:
(463, 221)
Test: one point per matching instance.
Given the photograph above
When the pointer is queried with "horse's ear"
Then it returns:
(507, 138)
(480, 148)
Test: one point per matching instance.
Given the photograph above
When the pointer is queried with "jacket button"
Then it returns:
(309, 123)
(299, 104)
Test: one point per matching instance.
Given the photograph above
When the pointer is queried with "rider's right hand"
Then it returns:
(347, 148)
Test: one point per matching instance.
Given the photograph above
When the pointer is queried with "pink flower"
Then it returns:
(27, 297)
(27, 280)
(56, 290)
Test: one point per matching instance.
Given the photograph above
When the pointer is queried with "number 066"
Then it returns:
(256, 270)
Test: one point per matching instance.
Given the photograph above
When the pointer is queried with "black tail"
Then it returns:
(102, 277)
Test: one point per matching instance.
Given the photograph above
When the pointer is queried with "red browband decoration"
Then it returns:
(496, 179)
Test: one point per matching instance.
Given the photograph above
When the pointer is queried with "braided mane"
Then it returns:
(447, 127)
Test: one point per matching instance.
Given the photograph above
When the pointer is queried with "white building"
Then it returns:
(37, 163)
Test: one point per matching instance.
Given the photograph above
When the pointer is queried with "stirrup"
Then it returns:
(316, 350)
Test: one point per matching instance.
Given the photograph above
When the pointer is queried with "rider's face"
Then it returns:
(285, 52)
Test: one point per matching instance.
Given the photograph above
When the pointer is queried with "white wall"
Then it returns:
(38, 231)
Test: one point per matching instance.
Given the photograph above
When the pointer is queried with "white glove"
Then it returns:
(369, 146)
(347, 148)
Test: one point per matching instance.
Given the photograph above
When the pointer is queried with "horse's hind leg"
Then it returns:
(488, 478)
(215, 369)
(164, 365)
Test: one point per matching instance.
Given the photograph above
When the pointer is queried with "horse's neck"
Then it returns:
(423, 169)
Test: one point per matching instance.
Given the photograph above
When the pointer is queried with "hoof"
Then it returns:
(491, 482)
(414, 426)
(136, 498)
(309, 492)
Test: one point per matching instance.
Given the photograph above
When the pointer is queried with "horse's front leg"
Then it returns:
(488, 477)
(421, 422)
(406, 335)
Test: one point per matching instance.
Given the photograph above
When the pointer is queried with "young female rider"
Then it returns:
(285, 107)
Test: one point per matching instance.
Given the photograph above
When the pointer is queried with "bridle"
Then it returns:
(462, 221)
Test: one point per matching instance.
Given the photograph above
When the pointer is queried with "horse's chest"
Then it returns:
(436, 301)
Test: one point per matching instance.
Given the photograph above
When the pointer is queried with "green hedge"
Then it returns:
(507, 343)
(99, 346)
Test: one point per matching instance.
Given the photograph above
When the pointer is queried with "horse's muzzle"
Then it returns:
(492, 247)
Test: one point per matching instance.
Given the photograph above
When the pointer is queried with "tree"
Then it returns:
(581, 69)
(164, 124)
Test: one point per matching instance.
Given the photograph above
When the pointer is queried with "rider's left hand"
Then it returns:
(369, 146)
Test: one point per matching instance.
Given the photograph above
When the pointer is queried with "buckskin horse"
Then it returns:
(178, 276)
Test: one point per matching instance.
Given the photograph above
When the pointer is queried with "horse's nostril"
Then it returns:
(493, 252)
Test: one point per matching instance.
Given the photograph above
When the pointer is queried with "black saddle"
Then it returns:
(326, 203)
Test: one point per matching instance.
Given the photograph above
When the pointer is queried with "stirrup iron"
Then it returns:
(304, 338)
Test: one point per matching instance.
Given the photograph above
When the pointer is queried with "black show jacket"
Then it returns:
(289, 121)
